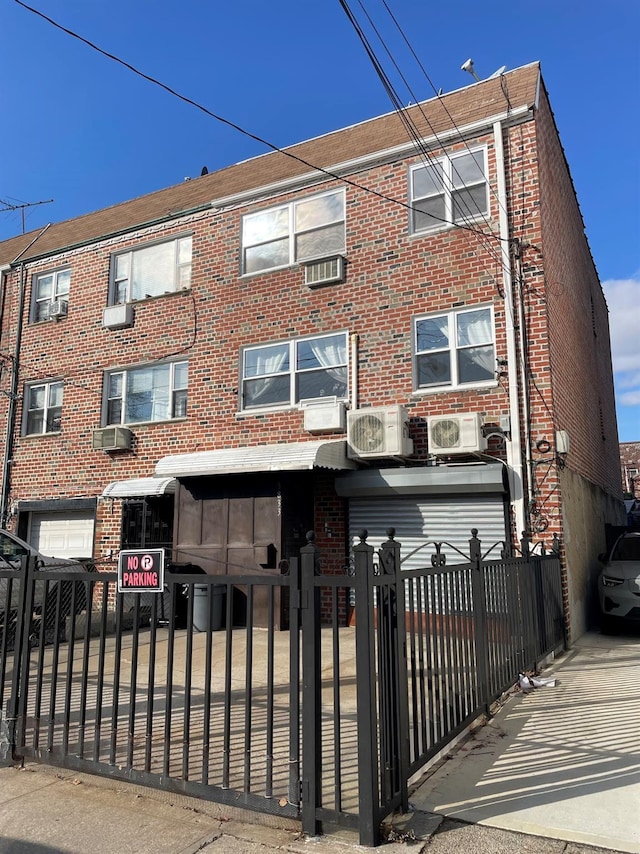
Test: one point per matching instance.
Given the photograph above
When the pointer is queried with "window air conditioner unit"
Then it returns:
(112, 439)
(58, 309)
(323, 414)
(455, 434)
(118, 316)
(323, 271)
(375, 433)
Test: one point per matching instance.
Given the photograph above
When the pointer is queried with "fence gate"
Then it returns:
(159, 689)
(191, 691)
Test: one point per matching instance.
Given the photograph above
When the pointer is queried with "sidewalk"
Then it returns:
(559, 762)
(555, 772)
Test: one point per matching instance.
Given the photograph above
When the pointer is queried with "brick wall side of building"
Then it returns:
(577, 320)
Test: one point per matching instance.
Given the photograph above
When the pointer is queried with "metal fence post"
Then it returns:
(368, 760)
(394, 688)
(311, 795)
(480, 609)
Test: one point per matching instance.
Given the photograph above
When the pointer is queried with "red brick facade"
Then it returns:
(392, 275)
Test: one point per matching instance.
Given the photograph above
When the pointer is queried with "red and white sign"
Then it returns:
(141, 571)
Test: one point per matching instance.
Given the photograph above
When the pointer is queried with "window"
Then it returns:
(278, 237)
(151, 393)
(286, 373)
(43, 407)
(455, 349)
(161, 268)
(449, 190)
(48, 289)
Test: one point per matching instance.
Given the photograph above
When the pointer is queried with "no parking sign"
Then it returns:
(141, 571)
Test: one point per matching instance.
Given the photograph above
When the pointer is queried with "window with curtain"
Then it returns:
(455, 349)
(148, 393)
(285, 373)
(288, 234)
(43, 408)
(449, 191)
(151, 271)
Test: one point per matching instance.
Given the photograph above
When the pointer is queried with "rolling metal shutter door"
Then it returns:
(63, 534)
(420, 520)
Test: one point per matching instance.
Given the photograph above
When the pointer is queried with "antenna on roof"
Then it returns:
(498, 73)
(468, 67)
(11, 207)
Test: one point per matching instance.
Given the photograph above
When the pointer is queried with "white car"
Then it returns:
(619, 583)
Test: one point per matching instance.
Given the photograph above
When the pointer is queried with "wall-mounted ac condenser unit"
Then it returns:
(112, 439)
(323, 271)
(58, 308)
(381, 432)
(456, 434)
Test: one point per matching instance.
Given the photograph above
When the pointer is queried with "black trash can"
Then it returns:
(208, 606)
(179, 616)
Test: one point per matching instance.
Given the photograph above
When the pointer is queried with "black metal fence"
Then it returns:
(324, 722)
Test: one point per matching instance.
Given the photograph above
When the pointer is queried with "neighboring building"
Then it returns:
(357, 332)
(630, 466)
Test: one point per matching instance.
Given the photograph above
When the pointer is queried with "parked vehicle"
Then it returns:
(619, 583)
(48, 592)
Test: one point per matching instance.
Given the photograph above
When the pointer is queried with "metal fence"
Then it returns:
(324, 722)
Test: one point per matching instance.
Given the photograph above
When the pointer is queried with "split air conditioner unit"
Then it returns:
(456, 434)
(373, 433)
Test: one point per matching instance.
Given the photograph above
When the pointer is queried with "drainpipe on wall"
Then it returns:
(11, 413)
(15, 378)
(514, 445)
(354, 369)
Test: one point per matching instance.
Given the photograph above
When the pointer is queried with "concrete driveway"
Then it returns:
(560, 762)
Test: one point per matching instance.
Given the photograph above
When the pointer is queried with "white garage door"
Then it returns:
(63, 534)
(418, 520)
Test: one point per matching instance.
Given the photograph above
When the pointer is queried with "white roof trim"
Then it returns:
(138, 487)
(297, 456)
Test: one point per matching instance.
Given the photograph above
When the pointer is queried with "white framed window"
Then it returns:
(151, 271)
(454, 349)
(43, 408)
(313, 227)
(449, 190)
(287, 372)
(147, 393)
(49, 289)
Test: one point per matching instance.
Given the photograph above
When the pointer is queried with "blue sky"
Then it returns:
(81, 130)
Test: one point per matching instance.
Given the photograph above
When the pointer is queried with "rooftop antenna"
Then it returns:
(9, 206)
(468, 66)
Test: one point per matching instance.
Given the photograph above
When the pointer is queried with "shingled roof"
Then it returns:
(465, 106)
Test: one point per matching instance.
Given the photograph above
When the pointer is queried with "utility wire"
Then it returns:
(410, 126)
(231, 124)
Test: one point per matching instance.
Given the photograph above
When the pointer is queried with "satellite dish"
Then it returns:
(498, 73)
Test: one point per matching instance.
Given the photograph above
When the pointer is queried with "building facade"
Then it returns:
(357, 332)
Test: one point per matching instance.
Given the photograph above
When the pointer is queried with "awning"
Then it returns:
(297, 456)
(424, 480)
(139, 487)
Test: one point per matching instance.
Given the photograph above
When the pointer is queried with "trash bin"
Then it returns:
(208, 611)
(181, 602)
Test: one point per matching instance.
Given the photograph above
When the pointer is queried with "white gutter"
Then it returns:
(514, 445)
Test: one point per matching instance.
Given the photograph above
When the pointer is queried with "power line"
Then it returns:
(185, 99)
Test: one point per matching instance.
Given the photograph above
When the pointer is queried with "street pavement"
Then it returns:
(554, 772)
